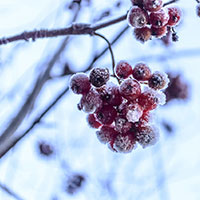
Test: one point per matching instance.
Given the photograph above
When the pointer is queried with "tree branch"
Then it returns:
(74, 29)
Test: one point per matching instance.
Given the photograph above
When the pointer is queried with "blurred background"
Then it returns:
(58, 156)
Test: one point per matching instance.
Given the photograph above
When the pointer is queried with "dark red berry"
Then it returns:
(138, 3)
(152, 5)
(90, 102)
(148, 100)
(159, 32)
(79, 83)
(106, 115)
(106, 134)
(110, 95)
(130, 89)
(142, 34)
(123, 70)
(141, 72)
(158, 81)
(122, 125)
(147, 136)
(174, 16)
(159, 19)
(123, 143)
(92, 121)
(99, 76)
(137, 17)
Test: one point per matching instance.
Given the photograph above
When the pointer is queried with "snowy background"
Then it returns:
(167, 171)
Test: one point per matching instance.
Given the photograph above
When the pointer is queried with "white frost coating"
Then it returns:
(102, 137)
(165, 77)
(134, 115)
(148, 136)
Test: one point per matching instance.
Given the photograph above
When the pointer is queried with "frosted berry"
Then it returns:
(124, 143)
(99, 76)
(142, 34)
(92, 121)
(106, 115)
(79, 83)
(123, 70)
(159, 19)
(90, 101)
(147, 136)
(159, 32)
(110, 95)
(133, 112)
(106, 134)
(152, 5)
(141, 72)
(174, 16)
(158, 81)
(137, 17)
(122, 125)
(130, 89)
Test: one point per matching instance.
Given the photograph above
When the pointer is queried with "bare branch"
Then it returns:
(74, 29)
(10, 192)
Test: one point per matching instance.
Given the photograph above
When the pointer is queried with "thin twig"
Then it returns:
(74, 29)
(14, 140)
(170, 2)
(10, 192)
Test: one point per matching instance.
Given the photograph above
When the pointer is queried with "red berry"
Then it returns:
(124, 143)
(98, 76)
(79, 83)
(158, 81)
(110, 95)
(137, 17)
(130, 89)
(159, 32)
(90, 101)
(147, 136)
(106, 134)
(122, 125)
(123, 70)
(92, 121)
(133, 112)
(152, 5)
(142, 34)
(174, 16)
(106, 115)
(159, 19)
(141, 72)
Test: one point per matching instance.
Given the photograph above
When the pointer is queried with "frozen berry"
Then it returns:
(174, 16)
(106, 114)
(124, 143)
(123, 70)
(142, 34)
(158, 81)
(110, 95)
(106, 134)
(122, 125)
(130, 89)
(152, 5)
(141, 72)
(137, 3)
(133, 112)
(99, 76)
(79, 83)
(90, 101)
(92, 121)
(159, 32)
(159, 19)
(147, 136)
(137, 17)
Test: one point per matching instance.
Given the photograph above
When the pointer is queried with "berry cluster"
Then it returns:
(121, 112)
(149, 18)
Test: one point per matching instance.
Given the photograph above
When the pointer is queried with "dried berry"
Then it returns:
(99, 76)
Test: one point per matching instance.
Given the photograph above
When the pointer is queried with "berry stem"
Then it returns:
(170, 2)
(111, 53)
